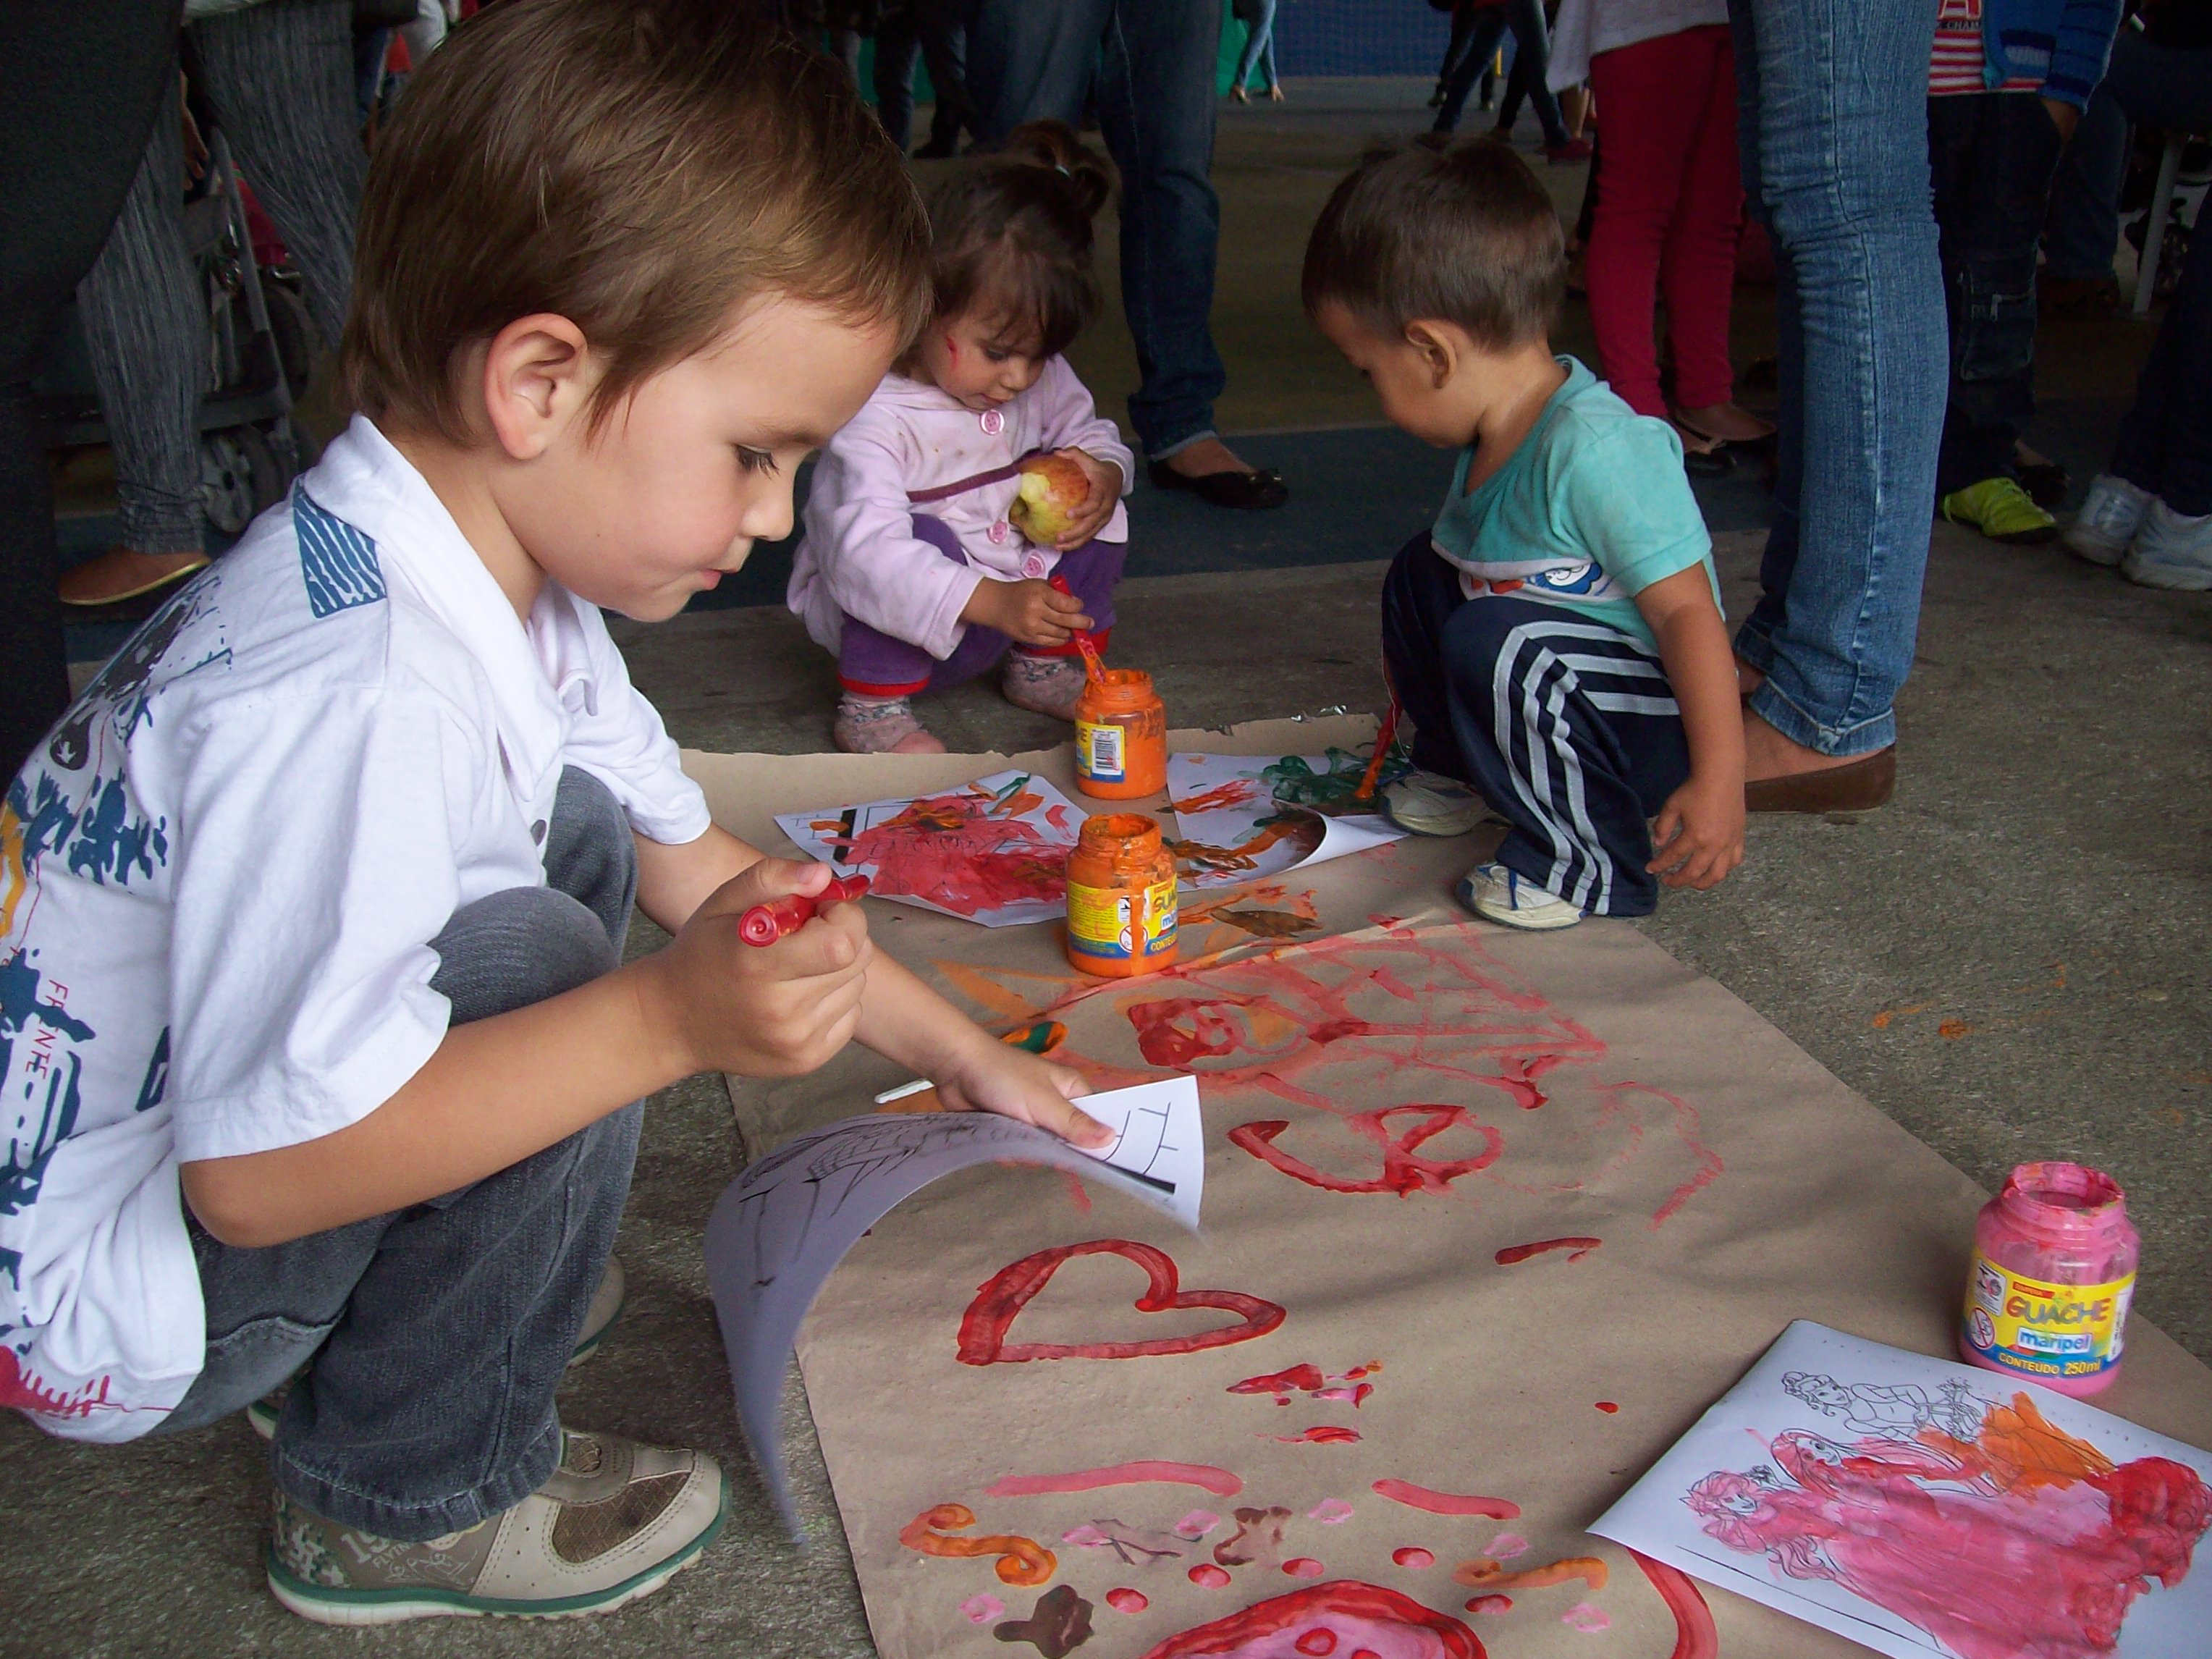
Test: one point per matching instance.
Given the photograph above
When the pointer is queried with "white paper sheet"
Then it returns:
(1239, 818)
(1922, 1507)
(993, 851)
(1159, 1139)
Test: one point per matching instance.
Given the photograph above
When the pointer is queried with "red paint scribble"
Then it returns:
(1695, 1636)
(1303, 1566)
(1404, 1172)
(1125, 1599)
(1578, 1247)
(1414, 1557)
(2025, 1540)
(1710, 1166)
(967, 851)
(1356, 1393)
(1220, 1482)
(1445, 1502)
(1320, 1435)
(1000, 1298)
(1305, 1377)
(1358, 1616)
(1056, 816)
(1078, 1194)
(1206, 1576)
(1021, 1560)
(1607, 1406)
(1491, 1604)
(1483, 1573)
(26, 1391)
(1237, 792)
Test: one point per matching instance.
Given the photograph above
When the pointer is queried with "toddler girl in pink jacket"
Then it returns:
(913, 568)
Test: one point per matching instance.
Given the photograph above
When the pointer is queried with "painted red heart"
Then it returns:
(983, 1327)
(1405, 1172)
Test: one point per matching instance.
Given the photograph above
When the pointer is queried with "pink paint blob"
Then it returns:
(1584, 1617)
(1207, 1577)
(1086, 1536)
(1220, 1482)
(1413, 1556)
(1330, 1512)
(1197, 1524)
(1303, 1566)
(1128, 1600)
(1506, 1545)
(983, 1609)
(1491, 1604)
(1607, 1406)
(1321, 1434)
(1445, 1502)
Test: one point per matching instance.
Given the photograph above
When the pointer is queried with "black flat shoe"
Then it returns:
(2045, 482)
(1263, 487)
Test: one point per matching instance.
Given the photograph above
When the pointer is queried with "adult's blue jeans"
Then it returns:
(2144, 85)
(1259, 20)
(1153, 64)
(1532, 46)
(1833, 97)
(932, 30)
(439, 1332)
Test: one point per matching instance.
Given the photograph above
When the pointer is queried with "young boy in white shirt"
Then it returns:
(314, 1035)
(1556, 636)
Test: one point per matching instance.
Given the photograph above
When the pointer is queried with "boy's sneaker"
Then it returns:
(606, 1306)
(1043, 685)
(880, 725)
(615, 1520)
(1503, 896)
(1431, 804)
(2110, 516)
(2171, 550)
(2001, 510)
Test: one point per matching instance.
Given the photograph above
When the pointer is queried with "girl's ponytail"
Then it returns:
(1055, 144)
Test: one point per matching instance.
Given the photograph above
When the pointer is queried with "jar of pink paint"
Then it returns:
(2054, 1259)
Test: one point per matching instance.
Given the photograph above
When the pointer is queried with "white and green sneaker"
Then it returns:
(1510, 899)
(599, 1318)
(1431, 804)
(616, 1519)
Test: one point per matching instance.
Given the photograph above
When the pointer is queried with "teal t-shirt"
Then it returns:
(1590, 511)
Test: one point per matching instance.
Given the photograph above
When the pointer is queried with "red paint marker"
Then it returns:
(764, 924)
(1091, 662)
(1383, 738)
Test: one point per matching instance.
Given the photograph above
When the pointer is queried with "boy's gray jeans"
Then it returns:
(439, 1332)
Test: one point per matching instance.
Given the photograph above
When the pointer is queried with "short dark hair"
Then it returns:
(1462, 233)
(1012, 236)
(640, 168)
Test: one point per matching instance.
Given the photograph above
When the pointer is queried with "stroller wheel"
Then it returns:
(238, 477)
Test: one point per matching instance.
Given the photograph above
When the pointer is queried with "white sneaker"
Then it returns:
(2108, 520)
(1431, 804)
(2171, 550)
(1498, 894)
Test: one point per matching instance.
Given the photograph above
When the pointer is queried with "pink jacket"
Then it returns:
(860, 556)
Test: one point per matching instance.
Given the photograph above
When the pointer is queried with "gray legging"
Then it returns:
(280, 77)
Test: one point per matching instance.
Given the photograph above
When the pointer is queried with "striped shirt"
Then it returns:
(1954, 64)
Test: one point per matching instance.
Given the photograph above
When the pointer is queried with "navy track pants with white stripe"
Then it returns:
(1567, 726)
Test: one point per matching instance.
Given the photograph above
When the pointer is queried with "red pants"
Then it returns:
(1669, 206)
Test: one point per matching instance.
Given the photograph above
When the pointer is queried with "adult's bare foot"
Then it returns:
(1725, 422)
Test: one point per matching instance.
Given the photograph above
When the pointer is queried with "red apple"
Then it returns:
(1052, 487)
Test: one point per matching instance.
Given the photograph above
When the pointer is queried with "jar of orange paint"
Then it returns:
(1120, 897)
(1120, 736)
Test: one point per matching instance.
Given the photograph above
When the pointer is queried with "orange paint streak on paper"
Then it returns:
(1220, 1482)
(1021, 1560)
(1483, 1573)
(1445, 1502)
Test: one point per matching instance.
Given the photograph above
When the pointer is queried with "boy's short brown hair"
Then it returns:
(638, 166)
(1458, 233)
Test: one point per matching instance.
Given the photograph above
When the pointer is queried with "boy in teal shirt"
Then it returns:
(1556, 637)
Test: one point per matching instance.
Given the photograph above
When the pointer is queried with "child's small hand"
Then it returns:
(993, 1078)
(1027, 612)
(1698, 833)
(776, 1010)
(1088, 519)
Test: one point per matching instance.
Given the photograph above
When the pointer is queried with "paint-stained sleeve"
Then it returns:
(1070, 420)
(316, 846)
(861, 544)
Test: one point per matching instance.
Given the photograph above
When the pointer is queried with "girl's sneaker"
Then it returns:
(880, 725)
(616, 1519)
(2110, 516)
(1431, 804)
(1503, 896)
(1043, 685)
(2171, 550)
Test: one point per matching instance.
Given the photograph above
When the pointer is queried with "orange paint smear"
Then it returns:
(1483, 1573)
(1579, 1247)
(1695, 1636)
(1445, 1502)
(1021, 1560)
(1220, 1482)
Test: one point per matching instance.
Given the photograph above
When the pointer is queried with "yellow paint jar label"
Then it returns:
(1120, 925)
(2043, 1330)
(1101, 751)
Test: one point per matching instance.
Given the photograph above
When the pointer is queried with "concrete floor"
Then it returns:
(2009, 960)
